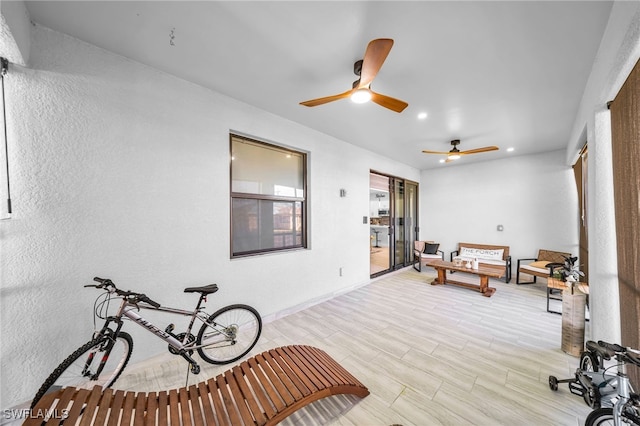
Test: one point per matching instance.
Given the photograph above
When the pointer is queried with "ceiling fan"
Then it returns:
(367, 69)
(455, 153)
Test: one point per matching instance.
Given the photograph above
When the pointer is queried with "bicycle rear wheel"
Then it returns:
(229, 334)
(79, 369)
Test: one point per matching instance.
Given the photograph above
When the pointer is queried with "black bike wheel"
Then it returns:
(600, 417)
(588, 362)
(79, 369)
(229, 334)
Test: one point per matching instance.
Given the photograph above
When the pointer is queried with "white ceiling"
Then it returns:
(500, 73)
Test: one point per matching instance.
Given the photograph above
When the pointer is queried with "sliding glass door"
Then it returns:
(393, 222)
(379, 224)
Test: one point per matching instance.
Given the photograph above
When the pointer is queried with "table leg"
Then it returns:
(484, 286)
(442, 277)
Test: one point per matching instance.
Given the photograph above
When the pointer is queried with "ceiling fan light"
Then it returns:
(361, 96)
(453, 156)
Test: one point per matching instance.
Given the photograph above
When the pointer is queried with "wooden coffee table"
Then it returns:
(483, 272)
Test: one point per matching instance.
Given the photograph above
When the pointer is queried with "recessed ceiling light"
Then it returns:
(510, 149)
(422, 116)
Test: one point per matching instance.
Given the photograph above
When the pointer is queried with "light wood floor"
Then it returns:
(430, 355)
(379, 259)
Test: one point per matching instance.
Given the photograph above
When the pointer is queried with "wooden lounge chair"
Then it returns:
(263, 390)
(541, 266)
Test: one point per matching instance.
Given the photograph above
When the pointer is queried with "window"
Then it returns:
(268, 197)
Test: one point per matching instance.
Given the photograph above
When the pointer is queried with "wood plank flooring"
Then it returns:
(430, 355)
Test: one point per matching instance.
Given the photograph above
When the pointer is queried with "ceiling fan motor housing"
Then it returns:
(357, 67)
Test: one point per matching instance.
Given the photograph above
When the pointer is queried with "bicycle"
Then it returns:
(626, 409)
(591, 380)
(224, 337)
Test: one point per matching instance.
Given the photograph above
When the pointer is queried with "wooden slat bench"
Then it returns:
(504, 263)
(263, 390)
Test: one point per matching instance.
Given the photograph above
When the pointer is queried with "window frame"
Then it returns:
(269, 198)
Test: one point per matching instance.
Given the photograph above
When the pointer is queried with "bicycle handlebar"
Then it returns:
(138, 297)
(611, 346)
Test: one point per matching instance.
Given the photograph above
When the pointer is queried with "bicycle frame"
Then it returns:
(128, 310)
(623, 391)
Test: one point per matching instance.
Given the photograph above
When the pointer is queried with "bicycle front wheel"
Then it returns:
(80, 369)
(229, 334)
(588, 362)
(600, 417)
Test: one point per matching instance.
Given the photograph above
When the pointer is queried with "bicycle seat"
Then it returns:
(206, 289)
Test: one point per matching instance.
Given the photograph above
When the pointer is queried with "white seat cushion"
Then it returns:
(430, 256)
(534, 269)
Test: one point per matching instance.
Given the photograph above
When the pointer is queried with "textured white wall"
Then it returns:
(121, 171)
(533, 196)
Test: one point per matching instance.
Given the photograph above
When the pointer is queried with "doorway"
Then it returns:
(393, 213)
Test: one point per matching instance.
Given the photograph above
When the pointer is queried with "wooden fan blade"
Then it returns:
(374, 57)
(479, 150)
(426, 151)
(326, 99)
(388, 102)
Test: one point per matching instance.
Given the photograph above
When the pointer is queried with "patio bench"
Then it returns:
(491, 256)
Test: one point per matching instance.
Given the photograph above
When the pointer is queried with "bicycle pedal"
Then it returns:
(576, 388)
(195, 369)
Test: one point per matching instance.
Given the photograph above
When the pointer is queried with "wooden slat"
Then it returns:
(174, 410)
(268, 386)
(300, 370)
(275, 377)
(286, 376)
(127, 408)
(218, 404)
(234, 388)
(258, 389)
(184, 407)
(196, 410)
(315, 368)
(64, 398)
(91, 407)
(141, 407)
(229, 403)
(249, 396)
(205, 399)
(116, 408)
(152, 410)
(163, 403)
(321, 362)
(103, 407)
(348, 377)
(78, 403)
(46, 402)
